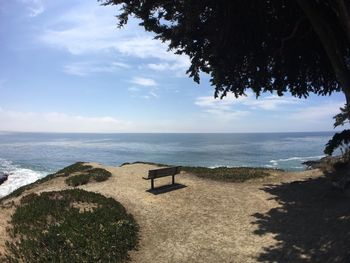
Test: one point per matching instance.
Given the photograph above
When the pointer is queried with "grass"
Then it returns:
(95, 174)
(70, 226)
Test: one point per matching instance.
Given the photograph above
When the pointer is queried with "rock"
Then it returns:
(325, 163)
(312, 164)
(3, 178)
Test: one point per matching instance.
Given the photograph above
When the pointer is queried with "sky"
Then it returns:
(66, 67)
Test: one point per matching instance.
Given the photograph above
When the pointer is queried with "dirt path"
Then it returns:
(206, 221)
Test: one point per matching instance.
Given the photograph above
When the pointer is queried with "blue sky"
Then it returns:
(66, 67)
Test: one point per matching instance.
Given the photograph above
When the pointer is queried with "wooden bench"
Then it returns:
(163, 172)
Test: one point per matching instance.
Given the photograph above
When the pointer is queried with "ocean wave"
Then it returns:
(219, 166)
(297, 158)
(18, 176)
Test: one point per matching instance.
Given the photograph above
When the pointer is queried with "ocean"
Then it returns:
(27, 157)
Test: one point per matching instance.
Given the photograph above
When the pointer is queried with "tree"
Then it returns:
(296, 46)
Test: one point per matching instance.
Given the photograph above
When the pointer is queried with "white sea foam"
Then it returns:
(17, 177)
(216, 166)
(275, 163)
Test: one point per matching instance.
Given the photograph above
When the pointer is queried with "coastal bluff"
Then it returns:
(270, 219)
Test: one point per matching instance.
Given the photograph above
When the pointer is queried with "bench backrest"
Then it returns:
(163, 172)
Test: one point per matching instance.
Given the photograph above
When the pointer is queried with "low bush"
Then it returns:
(79, 179)
(70, 226)
(94, 174)
(234, 174)
(76, 167)
(99, 174)
(227, 174)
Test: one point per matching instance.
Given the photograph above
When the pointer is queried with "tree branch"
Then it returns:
(290, 36)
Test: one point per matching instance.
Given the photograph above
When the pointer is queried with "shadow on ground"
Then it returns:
(166, 188)
(312, 224)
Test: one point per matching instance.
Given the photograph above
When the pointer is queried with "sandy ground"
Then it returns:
(206, 221)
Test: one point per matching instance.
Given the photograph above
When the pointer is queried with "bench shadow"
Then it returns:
(166, 188)
(312, 223)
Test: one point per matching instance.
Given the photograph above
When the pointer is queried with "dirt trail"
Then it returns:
(206, 221)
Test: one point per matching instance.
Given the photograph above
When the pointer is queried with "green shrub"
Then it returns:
(70, 226)
(76, 167)
(235, 174)
(94, 174)
(99, 174)
(79, 179)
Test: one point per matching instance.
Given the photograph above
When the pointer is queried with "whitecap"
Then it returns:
(18, 176)
(297, 159)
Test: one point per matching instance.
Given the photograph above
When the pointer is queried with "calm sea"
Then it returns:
(29, 156)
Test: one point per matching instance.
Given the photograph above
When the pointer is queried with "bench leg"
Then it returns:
(152, 184)
(173, 179)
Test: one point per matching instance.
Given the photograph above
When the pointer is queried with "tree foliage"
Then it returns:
(295, 46)
(267, 45)
(340, 140)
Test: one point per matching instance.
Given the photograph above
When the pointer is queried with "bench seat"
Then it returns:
(162, 172)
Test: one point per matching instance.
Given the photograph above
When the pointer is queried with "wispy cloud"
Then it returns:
(272, 102)
(179, 66)
(86, 68)
(269, 103)
(242, 106)
(146, 82)
(92, 29)
(60, 122)
(145, 88)
(317, 113)
(35, 7)
(219, 108)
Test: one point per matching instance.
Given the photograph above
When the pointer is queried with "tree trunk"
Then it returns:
(330, 44)
(344, 16)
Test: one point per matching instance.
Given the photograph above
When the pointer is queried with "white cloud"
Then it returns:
(86, 68)
(146, 88)
(121, 65)
(181, 64)
(146, 82)
(59, 122)
(134, 89)
(269, 103)
(272, 102)
(220, 108)
(317, 113)
(271, 113)
(92, 29)
(35, 7)
(153, 94)
(236, 108)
